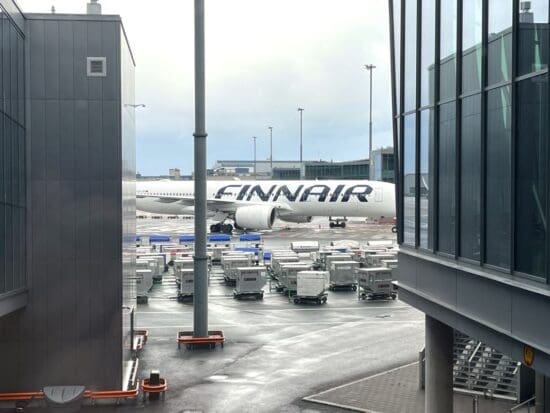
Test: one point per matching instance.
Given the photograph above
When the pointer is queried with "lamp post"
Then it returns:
(370, 68)
(271, 148)
(301, 110)
(200, 264)
(254, 138)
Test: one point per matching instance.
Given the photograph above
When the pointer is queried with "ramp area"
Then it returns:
(395, 391)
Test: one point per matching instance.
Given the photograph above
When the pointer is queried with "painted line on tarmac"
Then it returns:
(230, 310)
(289, 324)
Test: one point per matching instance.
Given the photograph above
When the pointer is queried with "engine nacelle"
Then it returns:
(297, 219)
(255, 217)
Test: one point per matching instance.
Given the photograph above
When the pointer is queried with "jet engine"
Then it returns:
(297, 219)
(255, 217)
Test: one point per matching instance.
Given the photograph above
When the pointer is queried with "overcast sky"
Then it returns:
(264, 58)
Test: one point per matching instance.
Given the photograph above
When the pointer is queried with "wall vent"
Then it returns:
(97, 66)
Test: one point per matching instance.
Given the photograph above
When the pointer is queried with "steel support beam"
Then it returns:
(439, 366)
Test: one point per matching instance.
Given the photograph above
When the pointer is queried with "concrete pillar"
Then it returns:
(439, 367)
(542, 394)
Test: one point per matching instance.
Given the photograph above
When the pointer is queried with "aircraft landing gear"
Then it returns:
(221, 228)
(337, 223)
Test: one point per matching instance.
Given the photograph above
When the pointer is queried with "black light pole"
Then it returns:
(254, 138)
(301, 110)
(271, 148)
(370, 68)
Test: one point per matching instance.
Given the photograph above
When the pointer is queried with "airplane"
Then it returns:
(256, 204)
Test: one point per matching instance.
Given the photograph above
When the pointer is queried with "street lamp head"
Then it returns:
(300, 109)
(370, 67)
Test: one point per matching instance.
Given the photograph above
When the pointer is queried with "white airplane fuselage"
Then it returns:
(331, 198)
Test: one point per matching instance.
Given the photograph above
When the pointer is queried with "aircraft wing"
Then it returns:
(221, 205)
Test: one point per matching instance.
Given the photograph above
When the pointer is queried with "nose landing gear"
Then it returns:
(337, 223)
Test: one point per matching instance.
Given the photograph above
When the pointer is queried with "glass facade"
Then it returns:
(474, 177)
(12, 157)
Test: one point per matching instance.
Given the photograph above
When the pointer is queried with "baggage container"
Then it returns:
(375, 260)
(343, 274)
(392, 264)
(311, 287)
(144, 283)
(187, 286)
(249, 282)
(304, 246)
(277, 260)
(230, 265)
(375, 283)
(287, 282)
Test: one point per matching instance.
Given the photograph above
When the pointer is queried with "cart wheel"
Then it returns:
(296, 301)
(393, 297)
(354, 288)
(319, 301)
(324, 300)
(261, 296)
(222, 345)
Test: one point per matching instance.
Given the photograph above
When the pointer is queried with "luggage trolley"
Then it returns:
(231, 263)
(287, 282)
(311, 287)
(187, 284)
(249, 282)
(375, 283)
(144, 283)
(343, 275)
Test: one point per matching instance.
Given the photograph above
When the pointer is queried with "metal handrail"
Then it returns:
(523, 404)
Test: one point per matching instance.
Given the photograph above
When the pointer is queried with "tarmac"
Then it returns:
(346, 355)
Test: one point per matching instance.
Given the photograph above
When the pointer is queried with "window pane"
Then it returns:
(532, 172)
(446, 193)
(498, 166)
(426, 177)
(428, 53)
(397, 45)
(448, 50)
(471, 45)
(409, 179)
(533, 36)
(500, 41)
(410, 55)
(470, 169)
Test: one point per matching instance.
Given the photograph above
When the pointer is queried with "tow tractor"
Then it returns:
(338, 222)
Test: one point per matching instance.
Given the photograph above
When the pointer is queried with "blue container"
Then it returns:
(267, 256)
(248, 249)
(251, 237)
(219, 237)
(342, 249)
(138, 237)
(159, 238)
(187, 238)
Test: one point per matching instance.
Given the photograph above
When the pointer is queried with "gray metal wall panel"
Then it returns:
(438, 282)
(406, 272)
(481, 298)
(71, 329)
(531, 318)
(66, 60)
(51, 59)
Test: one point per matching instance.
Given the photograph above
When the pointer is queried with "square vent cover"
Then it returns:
(96, 66)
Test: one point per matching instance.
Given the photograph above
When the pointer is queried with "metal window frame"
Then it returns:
(458, 129)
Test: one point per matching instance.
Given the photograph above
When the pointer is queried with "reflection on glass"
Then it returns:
(500, 41)
(498, 164)
(471, 45)
(409, 180)
(446, 193)
(426, 177)
(397, 51)
(428, 53)
(533, 36)
(470, 169)
(448, 50)
(410, 55)
(531, 176)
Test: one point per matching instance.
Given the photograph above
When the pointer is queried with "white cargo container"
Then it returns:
(288, 276)
(187, 286)
(144, 283)
(278, 260)
(311, 287)
(343, 274)
(304, 246)
(376, 259)
(249, 282)
(392, 264)
(230, 265)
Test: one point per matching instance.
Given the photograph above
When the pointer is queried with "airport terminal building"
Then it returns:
(470, 104)
(67, 200)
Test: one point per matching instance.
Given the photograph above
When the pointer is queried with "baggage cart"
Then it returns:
(311, 287)
(343, 275)
(144, 283)
(287, 282)
(230, 265)
(249, 282)
(304, 246)
(277, 260)
(187, 286)
(375, 283)
(375, 260)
